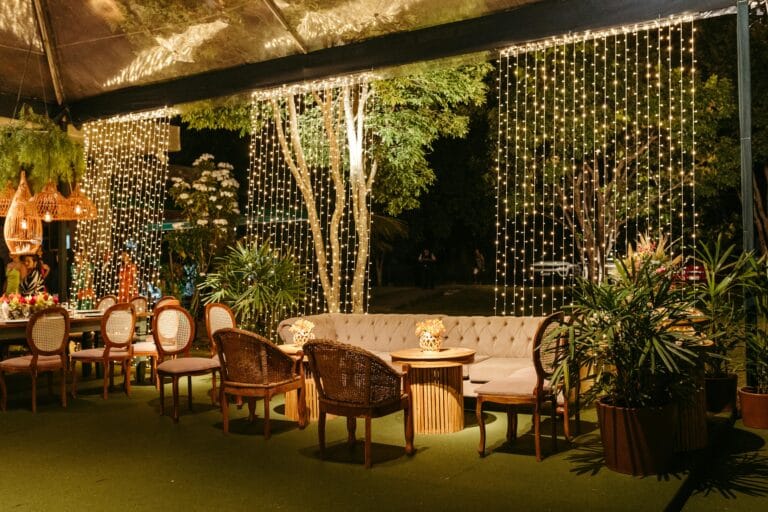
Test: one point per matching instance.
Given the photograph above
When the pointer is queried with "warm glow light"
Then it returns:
(596, 141)
(127, 168)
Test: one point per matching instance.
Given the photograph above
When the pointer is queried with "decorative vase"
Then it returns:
(430, 343)
(754, 408)
(301, 337)
(637, 441)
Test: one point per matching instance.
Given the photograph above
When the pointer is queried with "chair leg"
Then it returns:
(267, 429)
(49, 376)
(368, 462)
(127, 376)
(63, 386)
(189, 392)
(74, 378)
(214, 393)
(161, 383)
(108, 371)
(34, 392)
(481, 424)
(301, 394)
(224, 404)
(351, 428)
(175, 380)
(153, 371)
(251, 408)
(511, 423)
(410, 449)
(320, 431)
(537, 430)
(4, 396)
(111, 366)
(554, 424)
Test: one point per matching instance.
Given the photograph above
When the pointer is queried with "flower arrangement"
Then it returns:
(430, 333)
(302, 331)
(15, 306)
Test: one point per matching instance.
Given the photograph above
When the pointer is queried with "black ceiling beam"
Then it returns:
(531, 22)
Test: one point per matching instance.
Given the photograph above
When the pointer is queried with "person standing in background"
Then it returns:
(127, 278)
(479, 268)
(427, 263)
(15, 273)
(32, 284)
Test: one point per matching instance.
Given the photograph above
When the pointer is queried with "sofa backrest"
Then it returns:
(495, 336)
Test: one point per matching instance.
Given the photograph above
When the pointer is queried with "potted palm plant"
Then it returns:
(628, 337)
(260, 284)
(754, 399)
(719, 298)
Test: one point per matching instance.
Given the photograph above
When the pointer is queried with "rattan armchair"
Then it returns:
(353, 382)
(173, 330)
(254, 367)
(47, 335)
(530, 388)
(117, 327)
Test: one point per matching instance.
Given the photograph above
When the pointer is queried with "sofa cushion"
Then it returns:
(497, 368)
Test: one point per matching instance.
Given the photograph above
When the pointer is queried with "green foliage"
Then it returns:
(411, 112)
(757, 341)
(720, 299)
(624, 335)
(38, 146)
(233, 114)
(258, 283)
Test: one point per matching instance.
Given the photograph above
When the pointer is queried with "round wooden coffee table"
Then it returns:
(436, 387)
(292, 397)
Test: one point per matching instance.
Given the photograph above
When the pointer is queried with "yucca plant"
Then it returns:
(260, 284)
(720, 299)
(627, 336)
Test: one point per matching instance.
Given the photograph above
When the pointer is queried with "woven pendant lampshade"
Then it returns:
(49, 203)
(6, 196)
(79, 206)
(23, 229)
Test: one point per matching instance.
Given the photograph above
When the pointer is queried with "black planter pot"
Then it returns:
(637, 441)
(721, 393)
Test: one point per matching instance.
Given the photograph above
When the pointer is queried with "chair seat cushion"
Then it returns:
(520, 383)
(19, 363)
(98, 353)
(183, 365)
(498, 368)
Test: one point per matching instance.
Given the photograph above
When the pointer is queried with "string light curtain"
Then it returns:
(309, 186)
(596, 145)
(126, 174)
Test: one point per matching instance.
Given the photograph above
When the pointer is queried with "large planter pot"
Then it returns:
(637, 441)
(721, 393)
(754, 408)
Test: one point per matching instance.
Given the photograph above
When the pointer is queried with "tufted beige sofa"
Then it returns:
(503, 344)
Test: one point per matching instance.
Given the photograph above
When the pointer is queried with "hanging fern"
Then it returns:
(37, 145)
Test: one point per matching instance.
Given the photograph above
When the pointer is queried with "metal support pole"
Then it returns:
(745, 131)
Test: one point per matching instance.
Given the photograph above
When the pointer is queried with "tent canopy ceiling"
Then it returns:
(102, 57)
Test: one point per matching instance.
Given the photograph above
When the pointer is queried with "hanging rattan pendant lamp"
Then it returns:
(79, 207)
(50, 204)
(23, 229)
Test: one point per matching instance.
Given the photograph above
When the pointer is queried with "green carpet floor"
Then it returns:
(120, 454)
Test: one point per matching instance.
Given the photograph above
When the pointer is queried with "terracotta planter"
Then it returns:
(637, 441)
(754, 408)
(721, 393)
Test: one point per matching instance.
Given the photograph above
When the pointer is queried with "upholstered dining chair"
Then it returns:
(218, 316)
(117, 328)
(106, 302)
(530, 387)
(166, 300)
(353, 382)
(254, 367)
(47, 335)
(173, 330)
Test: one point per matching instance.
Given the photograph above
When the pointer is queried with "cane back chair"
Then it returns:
(353, 382)
(47, 335)
(530, 387)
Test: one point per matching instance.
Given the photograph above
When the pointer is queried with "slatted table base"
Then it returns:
(313, 404)
(438, 401)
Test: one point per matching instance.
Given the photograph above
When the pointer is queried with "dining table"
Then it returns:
(14, 332)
